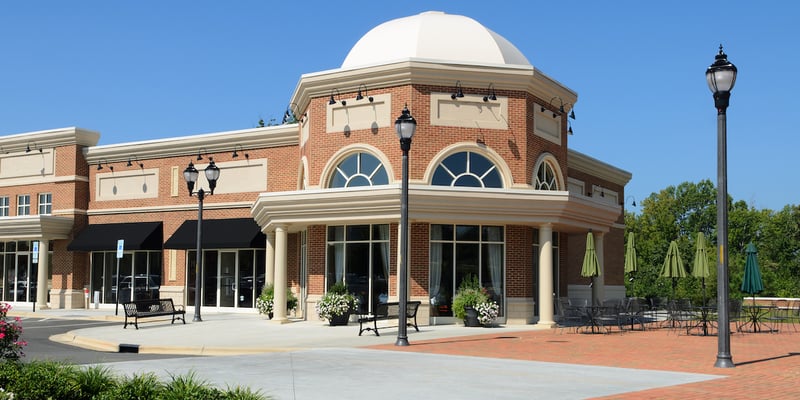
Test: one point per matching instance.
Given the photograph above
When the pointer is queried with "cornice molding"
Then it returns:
(592, 166)
(50, 139)
(162, 209)
(434, 204)
(35, 227)
(427, 72)
(255, 138)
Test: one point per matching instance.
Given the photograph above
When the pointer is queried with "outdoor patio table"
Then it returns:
(755, 314)
(597, 318)
(703, 321)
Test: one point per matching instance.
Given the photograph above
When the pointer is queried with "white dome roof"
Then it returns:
(433, 35)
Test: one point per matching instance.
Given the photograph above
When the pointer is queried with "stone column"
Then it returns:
(281, 249)
(41, 274)
(546, 276)
(269, 276)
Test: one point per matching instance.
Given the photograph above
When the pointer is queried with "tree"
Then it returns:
(680, 212)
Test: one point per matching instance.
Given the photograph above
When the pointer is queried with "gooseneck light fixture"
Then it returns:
(359, 96)
(190, 174)
(459, 92)
(332, 100)
(721, 77)
(490, 94)
(405, 125)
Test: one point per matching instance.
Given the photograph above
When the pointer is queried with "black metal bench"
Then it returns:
(152, 308)
(387, 311)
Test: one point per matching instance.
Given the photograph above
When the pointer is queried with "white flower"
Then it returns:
(487, 311)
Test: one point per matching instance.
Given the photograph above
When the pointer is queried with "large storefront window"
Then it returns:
(19, 271)
(358, 255)
(231, 278)
(458, 251)
(137, 275)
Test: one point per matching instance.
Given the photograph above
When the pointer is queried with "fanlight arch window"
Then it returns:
(467, 169)
(359, 169)
(546, 178)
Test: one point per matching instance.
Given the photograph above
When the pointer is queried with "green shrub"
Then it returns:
(469, 293)
(136, 387)
(264, 301)
(189, 386)
(45, 380)
(59, 381)
(9, 373)
(242, 393)
(93, 381)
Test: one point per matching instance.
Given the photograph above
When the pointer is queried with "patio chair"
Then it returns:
(658, 308)
(569, 316)
(610, 314)
(794, 314)
(735, 315)
(635, 313)
(779, 314)
(680, 314)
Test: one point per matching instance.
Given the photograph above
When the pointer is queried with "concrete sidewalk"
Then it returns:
(225, 333)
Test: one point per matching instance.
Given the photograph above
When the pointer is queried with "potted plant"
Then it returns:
(468, 296)
(265, 301)
(487, 312)
(336, 305)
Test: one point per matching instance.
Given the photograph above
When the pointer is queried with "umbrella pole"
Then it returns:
(703, 282)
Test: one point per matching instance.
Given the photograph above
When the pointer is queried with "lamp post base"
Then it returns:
(724, 362)
(401, 341)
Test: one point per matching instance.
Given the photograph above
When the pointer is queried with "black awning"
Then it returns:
(103, 237)
(236, 233)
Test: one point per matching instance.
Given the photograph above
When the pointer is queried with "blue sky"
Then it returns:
(154, 69)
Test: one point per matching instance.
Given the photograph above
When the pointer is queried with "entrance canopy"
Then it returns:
(103, 237)
(236, 233)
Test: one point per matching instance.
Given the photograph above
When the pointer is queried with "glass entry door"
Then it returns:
(227, 273)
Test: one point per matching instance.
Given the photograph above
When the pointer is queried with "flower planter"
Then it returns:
(339, 320)
(471, 320)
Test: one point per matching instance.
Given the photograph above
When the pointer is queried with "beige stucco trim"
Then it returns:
(50, 139)
(594, 167)
(35, 227)
(255, 138)
(415, 71)
(161, 209)
(434, 204)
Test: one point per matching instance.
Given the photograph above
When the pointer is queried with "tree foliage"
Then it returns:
(680, 212)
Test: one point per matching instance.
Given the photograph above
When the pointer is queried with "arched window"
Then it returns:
(546, 178)
(359, 169)
(467, 169)
(548, 174)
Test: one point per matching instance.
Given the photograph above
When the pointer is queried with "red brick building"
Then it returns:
(494, 190)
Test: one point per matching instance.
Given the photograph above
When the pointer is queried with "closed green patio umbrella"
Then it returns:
(673, 265)
(591, 266)
(751, 282)
(700, 267)
(630, 258)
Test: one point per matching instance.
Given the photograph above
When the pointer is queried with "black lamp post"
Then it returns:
(721, 76)
(191, 174)
(405, 125)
